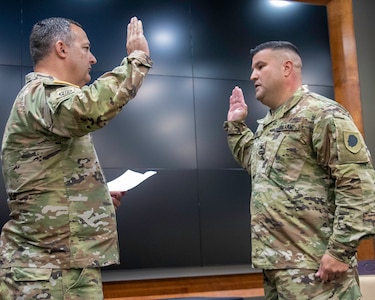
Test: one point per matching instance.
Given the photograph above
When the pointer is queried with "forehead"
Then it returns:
(79, 34)
(265, 55)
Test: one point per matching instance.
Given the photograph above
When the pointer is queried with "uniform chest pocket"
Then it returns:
(289, 155)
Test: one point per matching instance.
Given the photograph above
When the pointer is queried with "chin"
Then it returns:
(258, 97)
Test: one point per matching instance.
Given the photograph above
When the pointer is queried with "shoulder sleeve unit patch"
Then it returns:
(351, 147)
(352, 141)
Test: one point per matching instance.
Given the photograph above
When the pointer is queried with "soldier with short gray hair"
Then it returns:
(62, 226)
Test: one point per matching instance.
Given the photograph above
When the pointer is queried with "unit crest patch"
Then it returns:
(352, 141)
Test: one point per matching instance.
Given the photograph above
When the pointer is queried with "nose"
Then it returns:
(92, 59)
(253, 75)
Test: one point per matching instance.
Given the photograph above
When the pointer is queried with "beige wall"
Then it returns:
(364, 23)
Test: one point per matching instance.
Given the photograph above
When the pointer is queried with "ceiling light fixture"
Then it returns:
(279, 3)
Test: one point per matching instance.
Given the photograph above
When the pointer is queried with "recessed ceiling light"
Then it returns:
(279, 3)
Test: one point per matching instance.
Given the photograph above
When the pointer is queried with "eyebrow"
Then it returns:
(86, 44)
(259, 62)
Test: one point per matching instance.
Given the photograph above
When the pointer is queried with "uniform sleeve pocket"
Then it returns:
(351, 147)
(31, 274)
(61, 95)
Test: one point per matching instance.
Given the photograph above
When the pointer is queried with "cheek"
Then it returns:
(269, 77)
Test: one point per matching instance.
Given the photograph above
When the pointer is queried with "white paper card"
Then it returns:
(128, 180)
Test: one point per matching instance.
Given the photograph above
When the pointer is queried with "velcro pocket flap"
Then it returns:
(31, 274)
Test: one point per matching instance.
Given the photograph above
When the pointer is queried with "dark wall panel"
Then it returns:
(104, 22)
(10, 32)
(211, 107)
(225, 219)
(326, 91)
(158, 222)
(223, 34)
(157, 128)
(166, 23)
(10, 83)
(195, 210)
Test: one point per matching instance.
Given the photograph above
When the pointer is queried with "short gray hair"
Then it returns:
(46, 33)
(275, 45)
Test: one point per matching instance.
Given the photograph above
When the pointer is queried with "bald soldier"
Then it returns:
(312, 197)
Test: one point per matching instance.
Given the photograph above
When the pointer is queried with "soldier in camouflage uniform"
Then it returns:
(62, 225)
(312, 182)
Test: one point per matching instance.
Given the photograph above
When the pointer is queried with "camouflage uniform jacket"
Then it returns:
(312, 183)
(62, 215)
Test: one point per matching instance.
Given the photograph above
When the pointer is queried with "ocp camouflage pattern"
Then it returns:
(313, 183)
(61, 212)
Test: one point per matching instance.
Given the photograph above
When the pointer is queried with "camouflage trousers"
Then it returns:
(301, 284)
(34, 283)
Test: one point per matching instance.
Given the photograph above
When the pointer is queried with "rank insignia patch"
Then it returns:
(352, 141)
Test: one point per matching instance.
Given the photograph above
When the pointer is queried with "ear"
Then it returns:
(288, 68)
(61, 49)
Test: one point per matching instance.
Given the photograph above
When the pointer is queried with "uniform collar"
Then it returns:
(287, 106)
(34, 75)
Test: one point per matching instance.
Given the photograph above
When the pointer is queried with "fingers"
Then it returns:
(116, 202)
(323, 275)
(237, 99)
(139, 28)
(132, 26)
(116, 198)
(135, 27)
(328, 276)
(136, 39)
(330, 268)
(237, 95)
(237, 106)
(118, 195)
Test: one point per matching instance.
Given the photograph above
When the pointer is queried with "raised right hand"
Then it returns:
(135, 38)
(237, 106)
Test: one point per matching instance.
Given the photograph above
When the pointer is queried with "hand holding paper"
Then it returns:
(128, 180)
